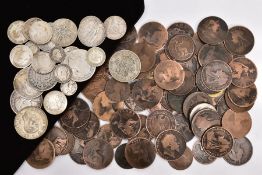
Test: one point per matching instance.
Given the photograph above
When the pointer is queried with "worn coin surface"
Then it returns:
(15, 32)
(200, 155)
(77, 152)
(34, 47)
(27, 26)
(192, 64)
(40, 32)
(180, 28)
(21, 56)
(120, 157)
(42, 63)
(182, 162)
(69, 88)
(106, 133)
(117, 91)
(55, 102)
(115, 27)
(95, 56)
(199, 107)
(62, 73)
(57, 54)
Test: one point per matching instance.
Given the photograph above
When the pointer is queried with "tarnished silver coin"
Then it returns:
(28, 24)
(18, 102)
(91, 31)
(34, 48)
(62, 73)
(40, 32)
(55, 102)
(69, 88)
(64, 32)
(31, 122)
(47, 47)
(21, 56)
(124, 65)
(57, 54)
(115, 27)
(42, 63)
(96, 56)
(15, 32)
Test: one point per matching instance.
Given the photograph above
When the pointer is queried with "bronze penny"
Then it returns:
(180, 28)
(222, 106)
(169, 75)
(140, 153)
(161, 56)
(125, 123)
(238, 124)
(106, 133)
(241, 152)
(146, 93)
(77, 152)
(191, 64)
(98, 154)
(235, 107)
(200, 155)
(212, 30)
(154, 33)
(117, 91)
(239, 40)
(143, 133)
(182, 162)
(244, 72)
(217, 141)
(180, 48)
(200, 84)
(120, 157)
(170, 144)
(43, 155)
(158, 121)
(198, 43)
(70, 143)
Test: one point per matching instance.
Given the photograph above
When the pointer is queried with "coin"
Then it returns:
(43, 155)
(130, 103)
(199, 107)
(117, 91)
(21, 56)
(15, 32)
(143, 132)
(31, 122)
(91, 31)
(27, 26)
(182, 125)
(124, 65)
(70, 48)
(212, 30)
(200, 83)
(115, 27)
(182, 162)
(62, 73)
(33, 47)
(140, 153)
(120, 157)
(234, 107)
(42, 63)
(77, 153)
(221, 106)
(64, 32)
(57, 54)
(198, 43)
(98, 154)
(47, 47)
(106, 133)
(95, 56)
(69, 88)
(173, 102)
(70, 143)
(40, 32)
(55, 102)
(180, 28)
(239, 40)
(129, 37)
(200, 155)
(216, 141)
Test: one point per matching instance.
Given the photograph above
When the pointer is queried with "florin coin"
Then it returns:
(21, 56)
(106, 133)
(15, 32)
(40, 32)
(55, 102)
(62, 73)
(95, 56)
(115, 27)
(57, 54)
(120, 157)
(69, 88)
(42, 63)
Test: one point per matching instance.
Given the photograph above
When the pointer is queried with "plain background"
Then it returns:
(234, 12)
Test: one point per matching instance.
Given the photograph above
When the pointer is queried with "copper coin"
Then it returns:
(180, 48)
(70, 143)
(200, 155)
(43, 155)
(161, 56)
(198, 43)
(146, 93)
(169, 75)
(77, 152)
(158, 121)
(154, 33)
(192, 64)
(212, 30)
(117, 91)
(241, 152)
(200, 84)
(106, 133)
(125, 123)
(140, 153)
(98, 154)
(182, 162)
(143, 132)
(238, 124)
(165, 104)
(222, 106)
(244, 72)
(130, 102)
(217, 141)
(120, 157)
(239, 40)
(170, 144)
(180, 28)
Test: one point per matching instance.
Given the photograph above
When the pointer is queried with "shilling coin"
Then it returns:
(120, 157)
(31, 122)
(95, 56)
(180, 28)
(62, 73)
(115, 27)
(69, 88)
(47, 47)
(15, 32)
(34, 48)
(42, 63)
(40, 32)
(55, 102)
(182, 162)
(77, 152)
(27, 26)
(200, 155)
(21, 56)
(57, 54)
(117, 91)
(106, 133)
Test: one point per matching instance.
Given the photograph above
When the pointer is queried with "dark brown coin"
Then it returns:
(191, 64)
(43, 155)
(244, 72)
(212, 30)
(143, 132)
(180, 48)
(238, 124)
(140, 153)
(200, 155)
(154, 33)
(106, 133)
(235, 107)
(169, 75)
(182, 162)
(198, 43)
(241, 152)
(125, 123)
(217, 141)
(158, 121)
(120, 157)
(209, 53)
(98, 154)
(146, 93)
(170, 144)
(180, 28)
(117, 91)
(77, 153)
(239, 40)
(70, 143)
(200, 84)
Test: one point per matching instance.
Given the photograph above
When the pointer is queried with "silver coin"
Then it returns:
(91, 31)
(57, 54)
(15, 32)
(115, 27)
(47, 47)
(64, 32)
(55, 102)
(124, 65)
(70, 48)
(200, 107)
(21, 56)
(22, 85)
(40, 32)
(34, 48)
(18, 102)
(31, 122)
(96, 56)
(28, 24)
(69, 88)
(62, 73)
(81, 70)
(42, 82)
(42, 63)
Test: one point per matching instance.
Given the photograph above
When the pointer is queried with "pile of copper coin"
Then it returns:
(188, 84)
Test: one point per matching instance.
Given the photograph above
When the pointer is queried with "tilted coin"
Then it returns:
(69, 88)
(180, 28)
(57, 54)
(42, 63)
(115, 27)
(62, 73)
(117, 91)
(95, 56)
(221, 106)
(15, 32)
(28, 24)
(70, 143)
(31, 122)
(106, 133)
(200, 155)
(47, 47)
(77, 152)
(34, 47)
(40, 32)
(182, 162)
(55, 102)
(120, 157)
(21, 56)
